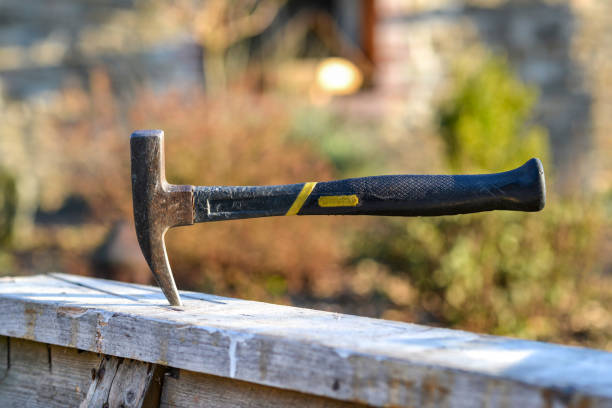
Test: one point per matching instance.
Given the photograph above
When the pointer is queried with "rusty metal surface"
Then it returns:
(158, 206)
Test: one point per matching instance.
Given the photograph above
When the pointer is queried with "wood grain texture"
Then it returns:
(186, 389)
(102, 380)
(4, 360)
(41, 375)
(130, 384)
(119, 383)
(342, 357)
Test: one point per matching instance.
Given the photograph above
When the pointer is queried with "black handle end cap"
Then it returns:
(532, 178)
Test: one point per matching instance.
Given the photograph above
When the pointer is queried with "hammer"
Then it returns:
(159, 205)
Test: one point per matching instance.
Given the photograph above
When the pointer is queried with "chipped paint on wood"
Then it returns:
(235, 340)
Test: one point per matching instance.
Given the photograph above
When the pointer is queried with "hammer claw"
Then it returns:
(160, 266)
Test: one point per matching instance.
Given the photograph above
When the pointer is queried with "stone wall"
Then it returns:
(559, 47)
(45, 44)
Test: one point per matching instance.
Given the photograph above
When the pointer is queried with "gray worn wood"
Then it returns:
(119, 383)
(41, 375)
(331, 355)
(186, 389)
(4, 361)
(102, 380)
(130, 384)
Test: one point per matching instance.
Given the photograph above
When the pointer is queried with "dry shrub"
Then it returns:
(238, 140)
(241, 141)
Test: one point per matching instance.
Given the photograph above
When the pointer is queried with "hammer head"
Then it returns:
(158, 206)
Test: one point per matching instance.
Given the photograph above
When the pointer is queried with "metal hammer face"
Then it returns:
(158, 206)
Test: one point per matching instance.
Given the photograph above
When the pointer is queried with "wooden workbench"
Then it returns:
(68, 341)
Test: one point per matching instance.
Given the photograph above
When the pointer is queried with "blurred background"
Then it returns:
(284, 91)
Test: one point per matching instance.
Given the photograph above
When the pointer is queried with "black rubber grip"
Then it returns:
(521, 189)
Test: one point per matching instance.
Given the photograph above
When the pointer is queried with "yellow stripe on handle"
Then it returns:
(339, 201)
(301, 198)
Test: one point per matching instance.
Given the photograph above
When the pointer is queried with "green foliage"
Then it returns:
(8, 207)
(485, 123)
(502, 272)
(351, 149)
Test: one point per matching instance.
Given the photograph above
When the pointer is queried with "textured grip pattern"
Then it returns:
(521, 189)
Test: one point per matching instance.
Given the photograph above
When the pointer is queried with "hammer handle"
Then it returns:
(521, 189)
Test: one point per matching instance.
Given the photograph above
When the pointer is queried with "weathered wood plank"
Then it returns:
(41, 375)
(186, 389)
(119, 383)
(130, 384)
(326, 354)
(102, 380)
(4, 360)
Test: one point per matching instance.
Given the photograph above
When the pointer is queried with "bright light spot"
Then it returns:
(338, 76)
